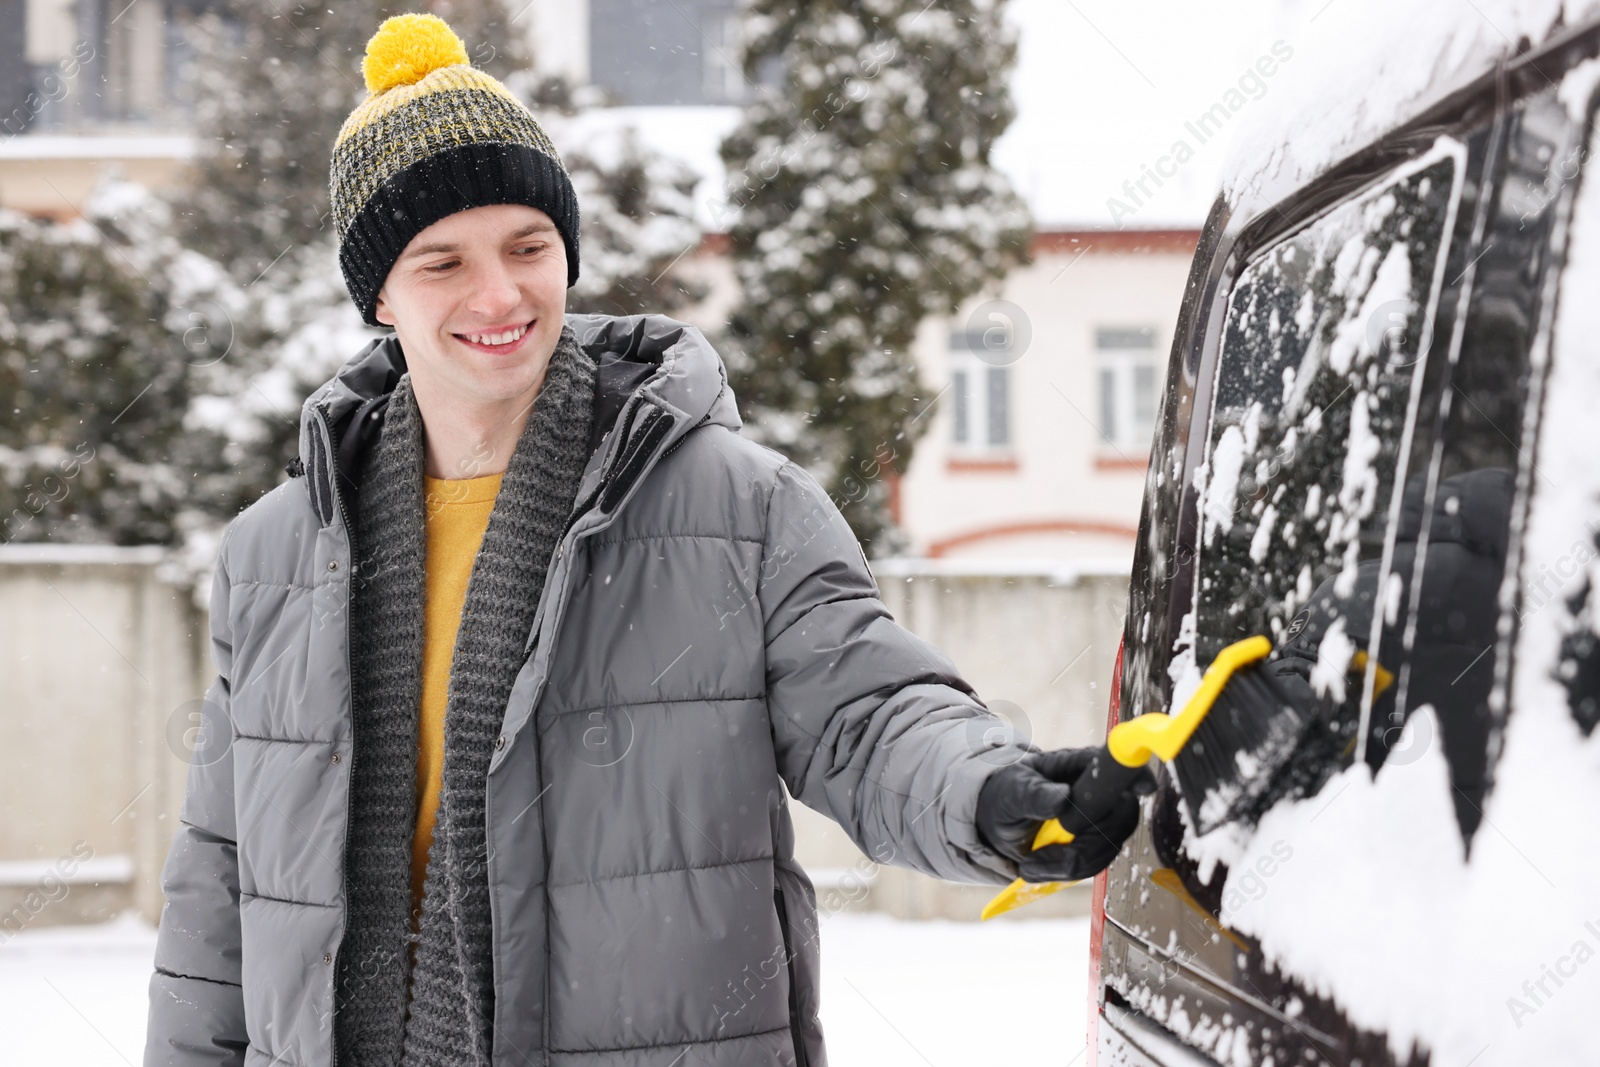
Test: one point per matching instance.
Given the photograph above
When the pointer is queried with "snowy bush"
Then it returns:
(107, 329)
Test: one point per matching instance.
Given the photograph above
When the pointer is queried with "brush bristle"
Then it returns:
(1228, 768)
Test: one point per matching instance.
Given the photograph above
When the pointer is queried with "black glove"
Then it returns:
(1016, 799)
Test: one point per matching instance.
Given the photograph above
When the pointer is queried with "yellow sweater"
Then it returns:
(457, 515)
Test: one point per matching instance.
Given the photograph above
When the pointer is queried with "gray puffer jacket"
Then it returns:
(708, 634)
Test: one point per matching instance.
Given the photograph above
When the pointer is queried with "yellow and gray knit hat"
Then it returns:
(434, 136)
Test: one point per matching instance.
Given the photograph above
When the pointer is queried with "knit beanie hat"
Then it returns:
(434, 136)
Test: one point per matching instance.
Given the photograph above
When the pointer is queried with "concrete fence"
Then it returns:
(103, 663)
(100, 660)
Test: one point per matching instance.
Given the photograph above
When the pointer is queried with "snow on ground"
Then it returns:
(894, 993)
(75, 996)
(947, 994)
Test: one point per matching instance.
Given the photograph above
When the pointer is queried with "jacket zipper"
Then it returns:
(685, 436)
(613, 466)
(555, 605)
(625, 419)
(344, 517)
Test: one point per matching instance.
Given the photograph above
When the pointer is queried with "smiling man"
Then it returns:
(513, 672)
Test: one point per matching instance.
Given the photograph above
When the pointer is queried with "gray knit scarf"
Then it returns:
(452, 990)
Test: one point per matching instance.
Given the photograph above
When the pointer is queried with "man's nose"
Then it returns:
(495, 293)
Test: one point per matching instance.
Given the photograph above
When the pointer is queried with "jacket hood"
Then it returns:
(666, 364)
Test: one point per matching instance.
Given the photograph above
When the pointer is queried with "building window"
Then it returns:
(980, 393)
(960, 407)
(722, 52)
(1125, 376)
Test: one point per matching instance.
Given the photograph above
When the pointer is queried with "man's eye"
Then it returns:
(531, 248)
(440, 268)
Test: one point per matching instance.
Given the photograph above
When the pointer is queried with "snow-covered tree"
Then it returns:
(636, 205)
(865, 201)
(637, 221)
(107, 329)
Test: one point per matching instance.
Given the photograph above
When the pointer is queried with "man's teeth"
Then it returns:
(498, 338)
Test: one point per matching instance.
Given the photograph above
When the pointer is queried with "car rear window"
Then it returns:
(1322, 346)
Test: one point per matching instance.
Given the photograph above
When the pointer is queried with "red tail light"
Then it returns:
(1097, 906)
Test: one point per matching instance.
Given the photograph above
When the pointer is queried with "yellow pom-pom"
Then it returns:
(408, 47)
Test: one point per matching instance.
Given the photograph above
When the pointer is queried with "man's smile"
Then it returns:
(499, 340)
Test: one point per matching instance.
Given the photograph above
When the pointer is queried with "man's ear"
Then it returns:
(381, 309)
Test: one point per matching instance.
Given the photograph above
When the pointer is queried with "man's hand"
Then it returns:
(1015, 800)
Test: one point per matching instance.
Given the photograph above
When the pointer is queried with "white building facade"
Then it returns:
(1047, 394)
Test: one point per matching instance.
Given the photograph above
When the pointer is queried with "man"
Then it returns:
(515, 669)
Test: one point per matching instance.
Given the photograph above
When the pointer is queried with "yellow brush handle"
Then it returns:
(1019, 892)
(1051, 832)
(1131, 744)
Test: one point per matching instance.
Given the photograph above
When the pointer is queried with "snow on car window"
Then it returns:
(1487, 955)
(1324, 335)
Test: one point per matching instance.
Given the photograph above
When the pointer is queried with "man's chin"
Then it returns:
(498, 383)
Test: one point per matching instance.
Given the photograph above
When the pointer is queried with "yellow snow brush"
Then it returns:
(1211, 758)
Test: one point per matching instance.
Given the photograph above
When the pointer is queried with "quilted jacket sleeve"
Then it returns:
(874, 727)
(196, 997)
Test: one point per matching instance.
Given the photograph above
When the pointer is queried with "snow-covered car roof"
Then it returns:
(1365, 67)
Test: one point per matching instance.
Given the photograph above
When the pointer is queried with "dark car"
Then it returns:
(1379, 447)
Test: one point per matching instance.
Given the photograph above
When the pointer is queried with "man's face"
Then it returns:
(484, 275)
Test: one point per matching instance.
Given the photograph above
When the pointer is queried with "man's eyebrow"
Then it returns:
(445, 246)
